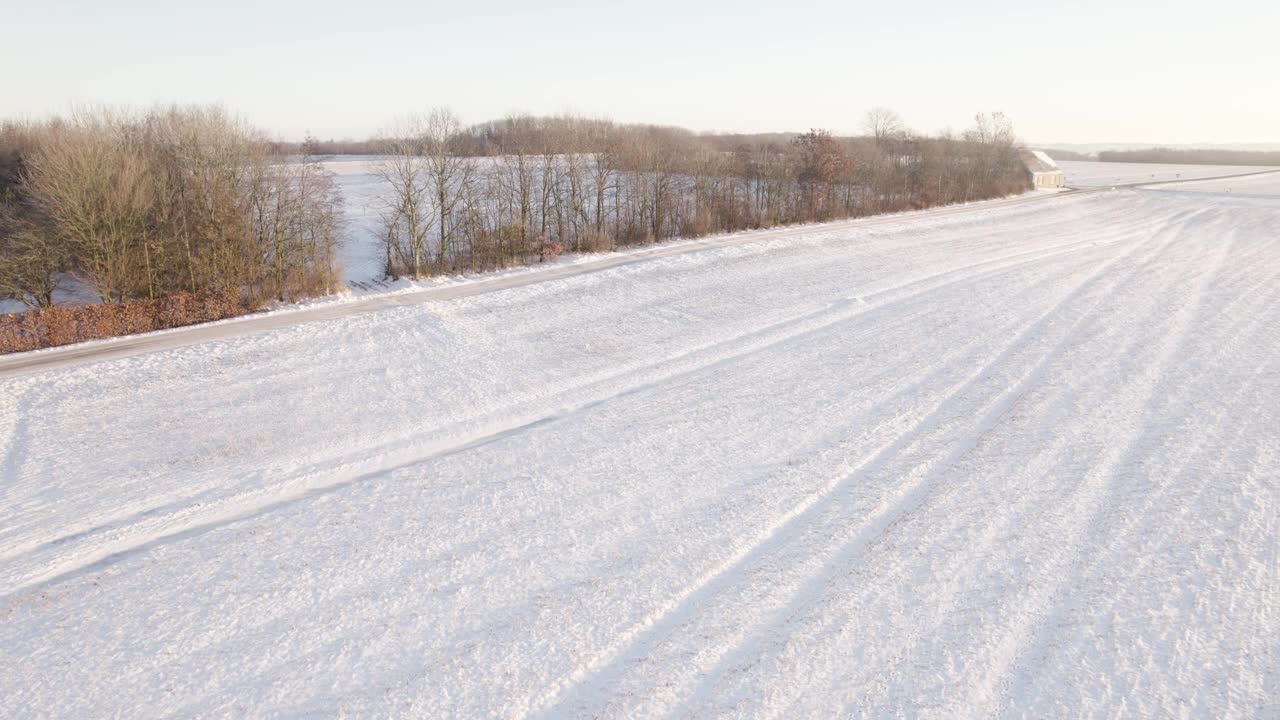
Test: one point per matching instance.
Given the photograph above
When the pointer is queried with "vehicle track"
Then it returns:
(590, 678)
(914, 493)
(1027, 639)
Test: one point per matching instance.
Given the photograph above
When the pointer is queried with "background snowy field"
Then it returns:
(1017, 460)
(1084, 174)
(362, 253)
(1267, 185)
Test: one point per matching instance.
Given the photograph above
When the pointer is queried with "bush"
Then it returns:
(64, 325)
(159, 202)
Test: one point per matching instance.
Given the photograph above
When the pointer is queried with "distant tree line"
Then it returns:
(1068, 155)
(142, 206)
(523, 189)
(1172, 156)
(315, 147)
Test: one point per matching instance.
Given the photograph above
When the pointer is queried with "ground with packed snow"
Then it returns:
(1017, 461)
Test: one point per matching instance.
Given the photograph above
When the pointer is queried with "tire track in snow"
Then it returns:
(968, 568)
(727, 657)
(1140, 505)
(1026, 640)
(1057, 506)
(1157, 536)
(592, 677)
(990, 534)
(919, 492)
(126, 538)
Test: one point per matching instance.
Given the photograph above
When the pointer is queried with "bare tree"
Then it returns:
(450, 174)
(517, 176)
(603, 171)
(297, 212)
(96, 192)
(181, 199)
(883, 124)
(31, 258)
(407, 212)
(567, 182)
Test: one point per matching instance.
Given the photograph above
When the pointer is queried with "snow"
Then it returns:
(1017, 461)
(70, 291)
(361, 251)
(1044, 158)
(1082, 174)
(1265, 185)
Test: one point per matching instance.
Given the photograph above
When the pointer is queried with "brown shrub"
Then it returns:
(19, 332)
(593, 241)
(551, 251)
(64, 325)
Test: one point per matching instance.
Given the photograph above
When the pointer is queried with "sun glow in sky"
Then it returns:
(1087, 71)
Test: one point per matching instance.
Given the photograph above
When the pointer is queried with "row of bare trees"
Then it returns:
(192, 200)
(171, 200)
(524, 188)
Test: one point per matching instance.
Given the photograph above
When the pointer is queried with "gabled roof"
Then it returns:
(1036, 161)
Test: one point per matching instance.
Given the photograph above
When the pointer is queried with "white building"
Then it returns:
(1045, 173)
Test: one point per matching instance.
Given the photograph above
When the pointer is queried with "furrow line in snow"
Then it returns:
(917, 493)
(590, 677)
(1002, 514)
(1136, 277)
(1025, 639)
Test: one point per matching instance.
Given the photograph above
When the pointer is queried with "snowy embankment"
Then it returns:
(1020, 461)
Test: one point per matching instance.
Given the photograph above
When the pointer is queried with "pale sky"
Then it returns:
(1084, 71)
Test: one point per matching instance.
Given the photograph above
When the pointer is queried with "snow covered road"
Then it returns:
(1022, 462)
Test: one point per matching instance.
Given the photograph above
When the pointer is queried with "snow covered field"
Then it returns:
(1104, 174)
(363, 193)
(1020, 461)
(1262, 186)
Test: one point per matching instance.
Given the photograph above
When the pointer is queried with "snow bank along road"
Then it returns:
(1020, 462)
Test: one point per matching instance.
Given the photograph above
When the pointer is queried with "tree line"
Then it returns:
(1173, 156)
(523, 189)
(1058, 154)
(144, 205)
